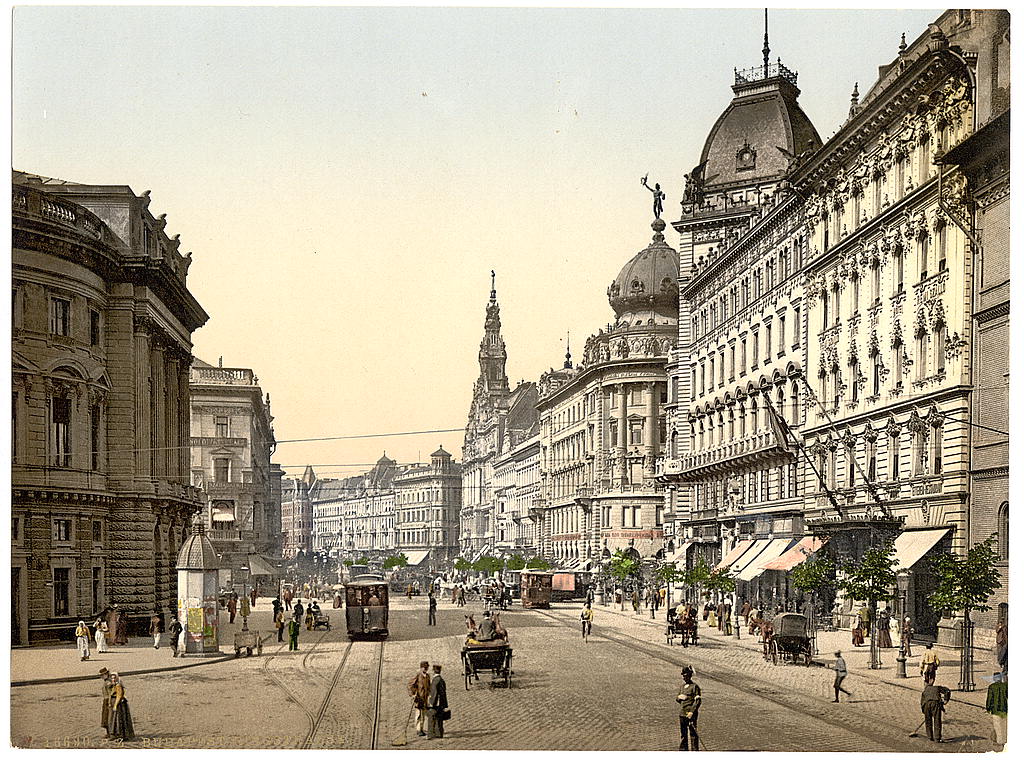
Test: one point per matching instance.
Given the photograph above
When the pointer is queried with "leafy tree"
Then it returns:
(538, 563)
(516, 562)
(462, 565)
(872, 578)
(489, 565)
(966, 583)
(814, 573)
(363, 560)
(621, 567)
(399, 560)
(348, 562)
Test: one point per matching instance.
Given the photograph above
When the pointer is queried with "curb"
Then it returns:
(815, 661)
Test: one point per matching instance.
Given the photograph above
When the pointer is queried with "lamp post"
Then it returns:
(902, 582)
(244, 609)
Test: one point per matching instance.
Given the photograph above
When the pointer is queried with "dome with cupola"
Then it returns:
(646, 290)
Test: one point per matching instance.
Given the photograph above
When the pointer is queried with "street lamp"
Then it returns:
(245, 597)
(902, 583)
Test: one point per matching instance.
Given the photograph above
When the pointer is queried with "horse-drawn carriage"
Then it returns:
(684, 627)
(495, 658)
(787, 636)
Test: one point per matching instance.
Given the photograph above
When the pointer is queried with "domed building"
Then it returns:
(602, 422)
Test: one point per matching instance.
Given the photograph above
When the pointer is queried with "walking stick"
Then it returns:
(405, 730)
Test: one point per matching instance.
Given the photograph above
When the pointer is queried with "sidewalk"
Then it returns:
(54, 664)
(857, 658)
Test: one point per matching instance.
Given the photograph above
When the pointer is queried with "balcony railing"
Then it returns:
(758, 73)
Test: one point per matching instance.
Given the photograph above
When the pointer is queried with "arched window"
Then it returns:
(1003, 531)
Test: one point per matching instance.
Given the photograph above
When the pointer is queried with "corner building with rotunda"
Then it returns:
(602, 423)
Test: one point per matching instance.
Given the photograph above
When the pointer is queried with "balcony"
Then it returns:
(758, 73)
(233, 376)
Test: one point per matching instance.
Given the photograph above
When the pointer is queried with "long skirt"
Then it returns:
(121, 722)
(83, 646)
(858, 636)
(884, 638)
(101, 641)
(712, 620)
(105, 715)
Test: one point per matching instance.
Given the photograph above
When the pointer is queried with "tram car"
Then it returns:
(536, 589)
(366, 607)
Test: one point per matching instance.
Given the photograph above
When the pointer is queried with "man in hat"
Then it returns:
(486, 631)
(155, 629)
(431, 609)
(105, 715)
(933, 700)
(929, 662)
(840, 669)
(293, 634)
(437, 705)
(688, 698)
(419, 690)
(175, 629)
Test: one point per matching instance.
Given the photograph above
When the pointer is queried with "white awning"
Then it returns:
(770, 553)
(223, 516)
(748, 556)
(680, 554)
(735, 554)
(259, 566)
(477, 556)
(911, 545)
(416, 557)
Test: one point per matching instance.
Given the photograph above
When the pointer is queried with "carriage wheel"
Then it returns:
(775, 654)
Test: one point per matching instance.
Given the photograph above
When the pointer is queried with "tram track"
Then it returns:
(633, 643)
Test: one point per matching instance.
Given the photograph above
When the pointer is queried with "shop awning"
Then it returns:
(680, 554)
(798, 553)
(479, 554)
(223, 516)
(415, 557)
(770, 553)
(741, 548)
(911, 545)
(260, 566)
(748, 556)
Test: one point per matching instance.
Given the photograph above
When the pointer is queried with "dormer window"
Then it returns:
(746, 157)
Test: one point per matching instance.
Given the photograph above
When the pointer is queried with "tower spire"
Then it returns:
(494, 292)
(568, 355)
(766, 49)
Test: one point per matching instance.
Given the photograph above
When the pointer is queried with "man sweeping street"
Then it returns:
(933, 700)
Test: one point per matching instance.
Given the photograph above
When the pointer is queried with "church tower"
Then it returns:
(492, 350)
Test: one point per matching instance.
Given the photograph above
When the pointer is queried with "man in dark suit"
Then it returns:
(933, 700)
(437, 705)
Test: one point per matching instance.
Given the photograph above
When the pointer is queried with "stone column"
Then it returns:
(143, 454)
(157, 407)
(652, 429)
(184, 422)
(172, 457)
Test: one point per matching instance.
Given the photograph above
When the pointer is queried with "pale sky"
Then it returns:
(347, 178)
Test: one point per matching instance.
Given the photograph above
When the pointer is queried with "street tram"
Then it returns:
(366, 607)
(536, 589)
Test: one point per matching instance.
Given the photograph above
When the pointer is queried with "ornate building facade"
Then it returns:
(876, 244)
(516, 489)
(427, 503)
(297, 514)
(101, 328)
(489, 421)
(232, 442)
(602, 423)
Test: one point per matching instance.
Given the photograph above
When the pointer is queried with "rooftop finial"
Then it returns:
(766, 50)
(903, 42)
(854, 99)
(568, 355)
(494, 293)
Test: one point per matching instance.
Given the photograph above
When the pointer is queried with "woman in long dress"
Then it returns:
(101, 629)
(82, 639)
(105, 715)
(121, 727)
(884, 637)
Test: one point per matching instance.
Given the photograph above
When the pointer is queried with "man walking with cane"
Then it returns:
(419, 690)
(688, 698)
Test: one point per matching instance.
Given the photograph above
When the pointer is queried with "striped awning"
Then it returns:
(680, 554)
(795, 555)
(748, 556)
(770, 553)
(223, 516)
(741, 548)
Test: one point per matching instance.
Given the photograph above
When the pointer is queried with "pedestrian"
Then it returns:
(279, 624)
(120, 628)
(586, 620)
(102, 629)
(906, 635)
(310, 617)
(175, 630)
(232, 606)
(995, 705)
(929, 662)
(727, 616)
(688, 698)
(1001, 646)
(155, 630)
(745, 612)
(840, 669)
(121, 727)
(636, 602)
(933, 700)
(82, 640)
(105, 713)
(857, 634)
(293, 634)
(462, 595)
(419, 690)
(437, 703)
(884, 637)
(252, 596)
(298, 610)
(431, 609)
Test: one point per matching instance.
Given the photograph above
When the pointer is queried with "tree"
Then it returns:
(667, 573)
(538, 563)
(965, 584)
(462, 565)
(399, 560)
(621, 567)
(814, 573)
(489, 565)
(872, 578)
(363, 560)
(515, 562)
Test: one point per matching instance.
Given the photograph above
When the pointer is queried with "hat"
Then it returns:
(838, 652)
(686, 671)
(103, 671)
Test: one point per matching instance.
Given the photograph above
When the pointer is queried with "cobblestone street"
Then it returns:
(615, 692)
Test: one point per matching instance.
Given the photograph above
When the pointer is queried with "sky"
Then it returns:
(347, 178)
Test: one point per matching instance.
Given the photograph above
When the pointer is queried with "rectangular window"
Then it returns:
(721, 368)
(15, 529)
(782, 334)
(922, 256)
(768, 343)
(62, 529)
(876, 283)
(824, 310)
(97, 531)
(221, 469)
(942, 248)
(60, 410)
(732, 362)
(60, 317)
(94, 436)
(61, 591)
(898, 256)
(894, 457)
(222, 425)
(94, 328)
(755, 354)
(97, 587)
(796, 326)
(937, 449)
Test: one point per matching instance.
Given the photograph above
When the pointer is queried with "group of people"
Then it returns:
(293, 625)
(429, 701)
(116, 718)
(111, 627)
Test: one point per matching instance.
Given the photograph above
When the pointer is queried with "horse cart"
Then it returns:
(685, 628)
(497, 659)
(249, 641)
(788, 638)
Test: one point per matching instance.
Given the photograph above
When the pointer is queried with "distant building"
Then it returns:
(516, 490)
(602, 424)
(297, 514)
(101, 338)
(427, 502)
(232, 442)
(489, 421)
